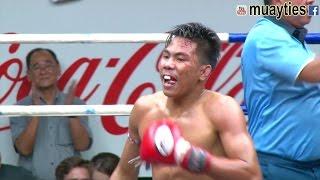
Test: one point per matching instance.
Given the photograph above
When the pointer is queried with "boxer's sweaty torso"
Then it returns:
(196, 127)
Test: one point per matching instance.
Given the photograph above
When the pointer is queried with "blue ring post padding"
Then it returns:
(311, 38)
(237, 37)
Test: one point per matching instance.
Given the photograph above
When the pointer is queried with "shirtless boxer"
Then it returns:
(185, 131)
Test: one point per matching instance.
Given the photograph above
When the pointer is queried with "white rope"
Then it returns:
(91, 38)
(65, 110)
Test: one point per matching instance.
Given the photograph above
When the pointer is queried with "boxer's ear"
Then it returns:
(205, 71)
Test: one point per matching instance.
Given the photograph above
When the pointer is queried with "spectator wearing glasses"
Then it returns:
(43, 142)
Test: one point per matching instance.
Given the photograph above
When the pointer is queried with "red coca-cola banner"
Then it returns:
(225, 78)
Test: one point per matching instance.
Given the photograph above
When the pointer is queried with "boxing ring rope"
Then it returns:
(311, 38)
(90, 110)
(65, 110)
(71, 110)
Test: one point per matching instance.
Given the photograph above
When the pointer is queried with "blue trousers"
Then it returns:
(277, 168)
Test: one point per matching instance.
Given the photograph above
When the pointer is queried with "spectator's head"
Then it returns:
(73, 168)
(43, 68)
(103, 165)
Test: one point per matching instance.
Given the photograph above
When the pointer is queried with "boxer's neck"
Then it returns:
(177, 106)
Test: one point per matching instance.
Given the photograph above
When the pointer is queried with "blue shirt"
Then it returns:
(53, 142)
(283, 113)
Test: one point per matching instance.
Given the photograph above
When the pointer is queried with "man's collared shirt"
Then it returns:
(283, 113)
(53, 140)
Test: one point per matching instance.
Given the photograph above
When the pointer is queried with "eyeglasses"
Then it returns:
(46, 67)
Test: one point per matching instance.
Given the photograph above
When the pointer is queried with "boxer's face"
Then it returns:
(179, 67)
(43, 70)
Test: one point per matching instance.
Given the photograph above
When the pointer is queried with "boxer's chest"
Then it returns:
(194, 124)
(198, 129)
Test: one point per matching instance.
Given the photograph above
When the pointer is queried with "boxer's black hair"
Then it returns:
(207, 40)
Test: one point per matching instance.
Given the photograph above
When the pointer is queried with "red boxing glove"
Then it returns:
(162, 143)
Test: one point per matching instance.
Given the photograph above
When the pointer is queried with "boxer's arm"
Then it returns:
(241, 161)
(124, 169)
(310, 72)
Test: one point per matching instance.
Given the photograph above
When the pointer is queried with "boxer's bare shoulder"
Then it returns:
(149, 102)
(220, 107)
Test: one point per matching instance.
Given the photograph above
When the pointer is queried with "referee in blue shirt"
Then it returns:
(281, 78)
